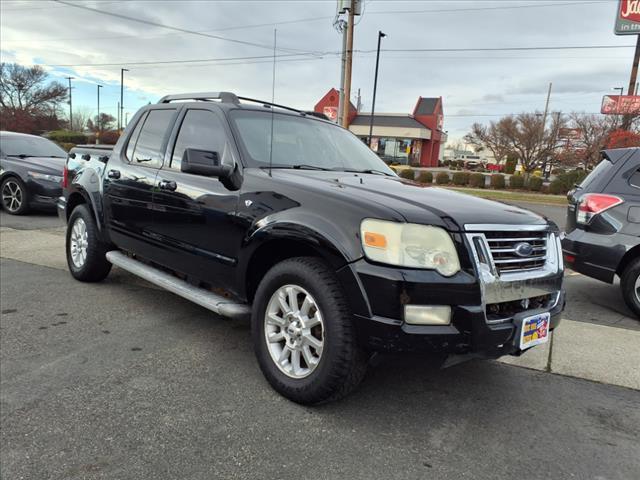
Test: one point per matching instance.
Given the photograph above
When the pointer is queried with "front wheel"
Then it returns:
(303, 333)
(85, 251)
(15, 198)
(630, 286)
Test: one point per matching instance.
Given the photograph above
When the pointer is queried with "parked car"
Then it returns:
(250, 208)
(603, 224)
(30, 172)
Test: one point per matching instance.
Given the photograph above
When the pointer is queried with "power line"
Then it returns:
(284, 22)
(178, 29)
(329, 53)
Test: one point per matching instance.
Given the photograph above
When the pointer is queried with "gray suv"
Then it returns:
(603, 224)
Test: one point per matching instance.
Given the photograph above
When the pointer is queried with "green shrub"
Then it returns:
(442, 178)
(497, 181)
(516, 181)
(407, 173)
(66, 136)
(425, 177)
(395, 170)
(460, 178)
(477, 180)
(510, 165)
(66, 146)
(558, 171)
(566, 181)
(556, 187)
(535, 184)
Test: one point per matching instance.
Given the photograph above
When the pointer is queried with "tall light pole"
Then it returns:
(120, 115)
(70, 105)
(375, 86)
(98, 118)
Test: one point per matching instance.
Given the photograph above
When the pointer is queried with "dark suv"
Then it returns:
(603, 224)
(250, 208)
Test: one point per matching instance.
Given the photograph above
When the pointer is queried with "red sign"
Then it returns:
(628, 17)
(630, 10)
(620, 105)
(331, 112)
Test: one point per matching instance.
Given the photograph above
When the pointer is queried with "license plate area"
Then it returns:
(534, 330)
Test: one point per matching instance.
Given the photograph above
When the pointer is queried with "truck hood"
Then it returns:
(417, 203)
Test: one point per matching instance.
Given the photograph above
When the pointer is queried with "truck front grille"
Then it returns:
(517, 251)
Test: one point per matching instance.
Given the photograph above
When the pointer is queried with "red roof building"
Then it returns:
(413, 139)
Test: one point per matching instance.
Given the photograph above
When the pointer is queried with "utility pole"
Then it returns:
(341, 25)
(348, 65)
(122, 70)
(632, 90)
(98, 117)
(70, 104)
(544, 123)
(375, 86)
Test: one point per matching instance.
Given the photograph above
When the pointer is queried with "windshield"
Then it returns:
(303, 142)
(24, 146)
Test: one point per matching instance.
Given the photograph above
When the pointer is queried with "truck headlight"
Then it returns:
(45, 176)
(409, 245)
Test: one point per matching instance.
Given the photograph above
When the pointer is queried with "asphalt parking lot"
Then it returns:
(121, 380)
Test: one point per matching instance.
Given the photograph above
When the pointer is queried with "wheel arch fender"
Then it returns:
(273, 242)
(630, 255)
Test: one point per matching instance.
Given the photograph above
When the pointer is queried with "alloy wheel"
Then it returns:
(79, 243)
(12, 196)
(294, 331)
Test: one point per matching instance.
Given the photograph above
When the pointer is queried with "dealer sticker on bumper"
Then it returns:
(535, 330)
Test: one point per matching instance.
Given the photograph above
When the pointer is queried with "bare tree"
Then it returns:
(528, 138)
(81, 117)
(491, 138)
(594, 130)
(26, 99)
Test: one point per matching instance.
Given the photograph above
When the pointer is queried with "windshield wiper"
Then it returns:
(366, 170)
(301, 167)
(21, 155)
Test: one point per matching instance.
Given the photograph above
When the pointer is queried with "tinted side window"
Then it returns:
(600, 174)
(200, 129)
(634, 181)
(148, 149)
(134, 137)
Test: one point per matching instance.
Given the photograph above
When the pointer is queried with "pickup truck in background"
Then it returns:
(248, 208)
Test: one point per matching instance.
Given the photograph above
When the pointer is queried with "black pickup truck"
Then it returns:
(250, 208)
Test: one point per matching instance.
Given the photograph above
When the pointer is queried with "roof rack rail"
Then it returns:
(226, 97)
(270, 104)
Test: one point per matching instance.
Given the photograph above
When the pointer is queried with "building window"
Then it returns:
(397, 150)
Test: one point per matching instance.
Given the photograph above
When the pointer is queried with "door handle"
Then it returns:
(114, 174)
(167, 185)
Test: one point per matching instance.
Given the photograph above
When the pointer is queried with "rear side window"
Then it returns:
(134, 138)
(634, 181)
(200, 129)
(601, 173)
(148, 149)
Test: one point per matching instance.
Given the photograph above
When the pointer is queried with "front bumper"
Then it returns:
(487, 308)
(43, 194)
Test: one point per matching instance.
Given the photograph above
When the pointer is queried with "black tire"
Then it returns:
(95, 266)
(342, 364)
(8, 203)
(628, 281)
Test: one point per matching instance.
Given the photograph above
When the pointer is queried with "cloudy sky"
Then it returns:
(233, 41)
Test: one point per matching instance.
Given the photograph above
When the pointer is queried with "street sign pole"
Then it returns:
(348, 63)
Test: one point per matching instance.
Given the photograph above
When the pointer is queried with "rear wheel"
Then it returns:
(85, 251)
(630, 285)
(303, 334)
(15, 198)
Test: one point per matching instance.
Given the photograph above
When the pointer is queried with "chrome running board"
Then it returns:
(211, 301)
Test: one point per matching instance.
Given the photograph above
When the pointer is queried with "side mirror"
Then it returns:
(205, 163)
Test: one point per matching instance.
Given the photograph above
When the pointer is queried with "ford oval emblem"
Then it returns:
(523, 249)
